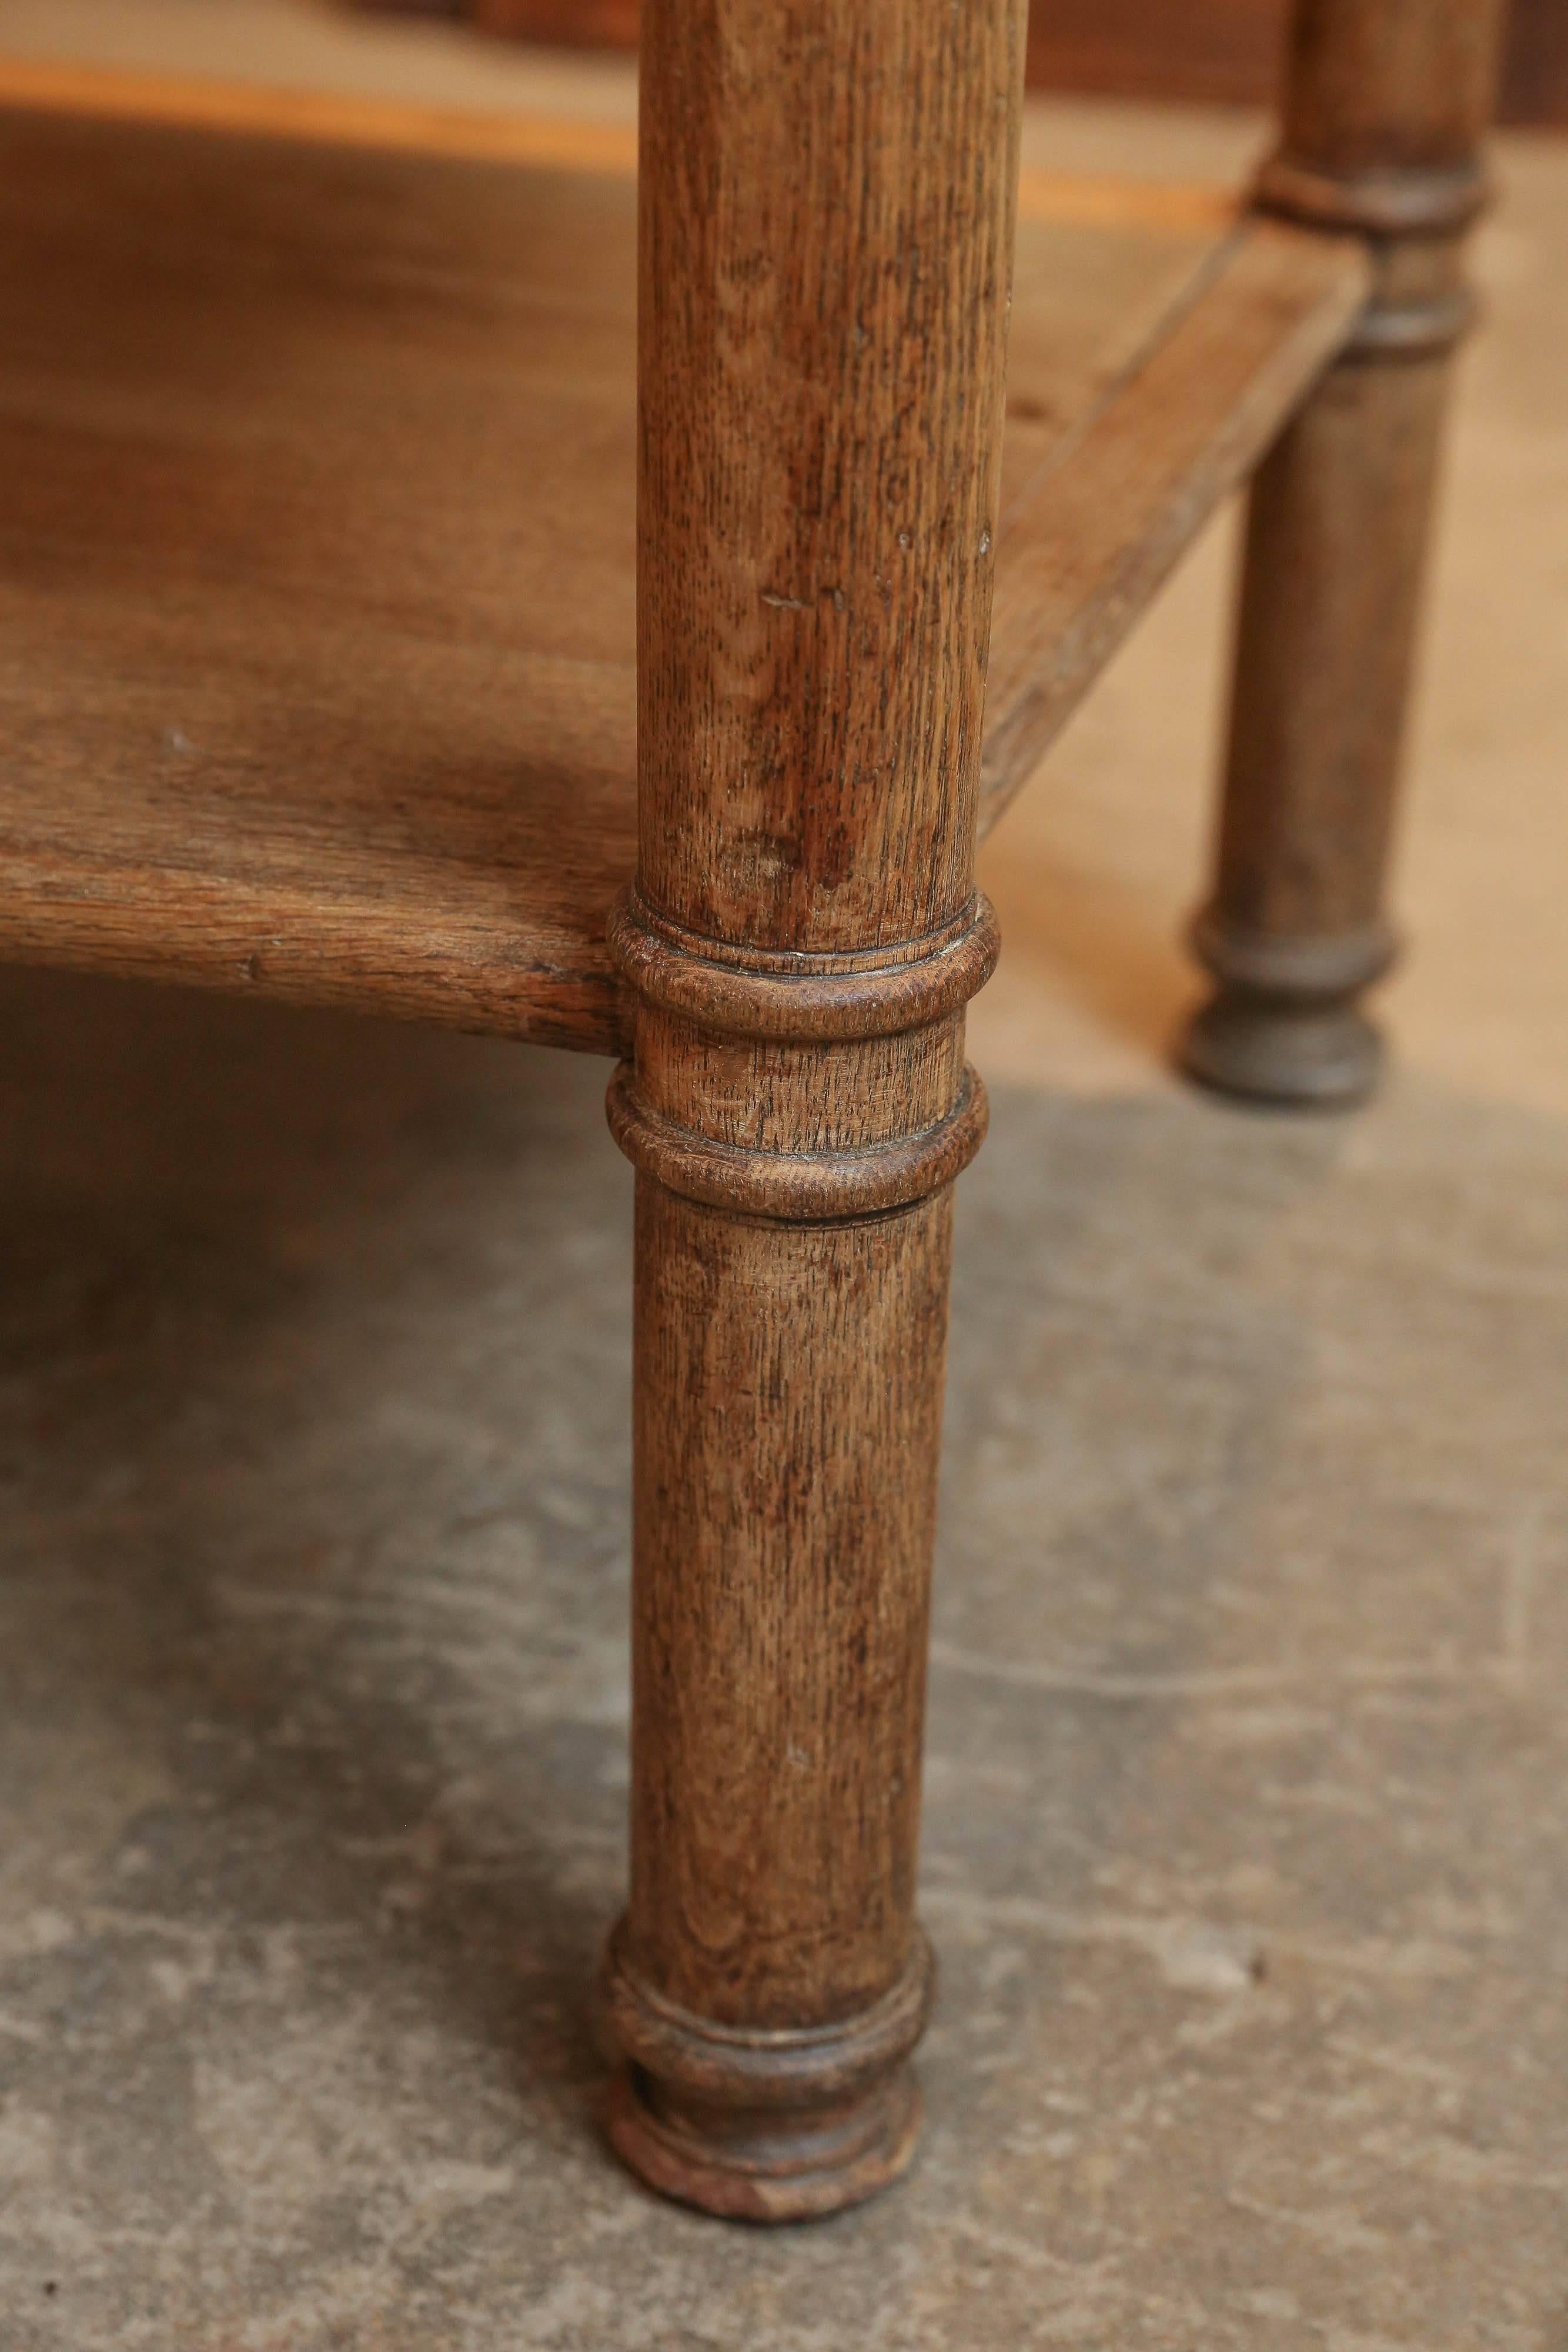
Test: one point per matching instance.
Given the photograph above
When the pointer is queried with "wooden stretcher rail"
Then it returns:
(1104, 520)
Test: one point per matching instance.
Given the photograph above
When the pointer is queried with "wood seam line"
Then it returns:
(1392, 206)
(762, 2068)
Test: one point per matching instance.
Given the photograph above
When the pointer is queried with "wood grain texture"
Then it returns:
(328, 118)
(1387, 101)
(315, 663)
(827, 199)
(787, 1418)
(1092, 533)
(284, 711)
(768, 1981)
(394, 126)
(810, 661)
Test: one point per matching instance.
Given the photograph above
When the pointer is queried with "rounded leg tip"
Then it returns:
(772, 2172)
(764, 2122)
(1262, 1050)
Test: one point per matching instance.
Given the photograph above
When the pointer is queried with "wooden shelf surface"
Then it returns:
(317, 512)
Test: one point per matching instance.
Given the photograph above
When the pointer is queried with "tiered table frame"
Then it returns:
(339, 662)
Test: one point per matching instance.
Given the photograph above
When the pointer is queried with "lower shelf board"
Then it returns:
(316, 593)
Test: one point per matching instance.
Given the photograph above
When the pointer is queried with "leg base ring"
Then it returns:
(1262, 1050)
(768, 2173)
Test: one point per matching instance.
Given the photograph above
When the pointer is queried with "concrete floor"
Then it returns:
(1245, 1853)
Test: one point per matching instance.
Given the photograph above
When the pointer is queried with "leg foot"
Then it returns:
(753, 2168)
(1284, 1024)
(753, 2125)
(1256, 1047)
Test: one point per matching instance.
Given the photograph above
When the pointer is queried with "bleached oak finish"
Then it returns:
(269, 724)
(827, 202)
(1387, 101)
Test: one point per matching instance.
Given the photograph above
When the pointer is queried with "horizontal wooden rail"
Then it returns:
(1103, 523)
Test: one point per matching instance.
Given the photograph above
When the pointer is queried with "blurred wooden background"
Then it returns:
(1224, 51)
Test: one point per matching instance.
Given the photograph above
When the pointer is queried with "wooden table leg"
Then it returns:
(826, 224)
(1386, 103)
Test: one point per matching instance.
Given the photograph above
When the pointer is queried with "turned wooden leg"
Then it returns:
(1388, 99)
(826, 217)
(769, 1982)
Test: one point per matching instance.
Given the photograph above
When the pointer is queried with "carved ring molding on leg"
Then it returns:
(801, 998)
(1408, 201)
(798, 1187)
(765, 2126)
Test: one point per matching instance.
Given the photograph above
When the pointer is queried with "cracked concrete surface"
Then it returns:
(1245, 1851)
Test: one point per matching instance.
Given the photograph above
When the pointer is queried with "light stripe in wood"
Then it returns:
(554, 141)
(260, 110)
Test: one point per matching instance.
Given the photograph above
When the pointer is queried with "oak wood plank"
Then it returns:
(260, 109)
(316, 568)
(478, 135)
(317, 580)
